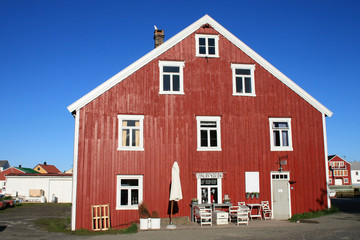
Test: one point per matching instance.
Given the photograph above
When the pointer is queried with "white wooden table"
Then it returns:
(257, 209)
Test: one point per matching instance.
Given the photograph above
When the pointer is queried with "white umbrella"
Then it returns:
(175, 192)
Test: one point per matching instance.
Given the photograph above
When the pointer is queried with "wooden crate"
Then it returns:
(100, 215)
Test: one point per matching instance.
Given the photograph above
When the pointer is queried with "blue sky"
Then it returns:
(54, 52)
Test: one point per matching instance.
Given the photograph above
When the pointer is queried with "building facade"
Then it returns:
(339, 171)
(233, 122)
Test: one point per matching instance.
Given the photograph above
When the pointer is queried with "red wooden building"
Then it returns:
(339, 171)
(206, 100)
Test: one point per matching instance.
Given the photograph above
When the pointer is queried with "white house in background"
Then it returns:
(355, 173)
(53, 185)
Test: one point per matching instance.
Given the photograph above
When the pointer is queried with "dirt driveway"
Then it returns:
(18, 223)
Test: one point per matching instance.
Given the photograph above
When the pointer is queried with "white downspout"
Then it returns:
(326, 161)
(75, 163)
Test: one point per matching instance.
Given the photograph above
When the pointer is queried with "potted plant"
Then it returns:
(144, 216)
(252, 195)
(194, 201)
(247, 195)
(257, 195)
(226, 200)
(155, 220)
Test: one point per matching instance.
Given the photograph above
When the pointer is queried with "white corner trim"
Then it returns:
(75, 165)
(326, 161)
(179, 37)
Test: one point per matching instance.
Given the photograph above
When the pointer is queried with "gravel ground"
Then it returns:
(18, 223)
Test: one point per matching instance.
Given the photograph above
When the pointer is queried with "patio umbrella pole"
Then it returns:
(171, 211)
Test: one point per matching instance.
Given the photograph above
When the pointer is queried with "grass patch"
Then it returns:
(307, 215)
(63, 225)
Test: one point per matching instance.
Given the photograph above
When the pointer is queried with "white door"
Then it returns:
(338, 181)
(281, 196)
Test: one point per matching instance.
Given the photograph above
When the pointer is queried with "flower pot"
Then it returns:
(155, 223)
(247, 195)
(144, 223)
(252, 196)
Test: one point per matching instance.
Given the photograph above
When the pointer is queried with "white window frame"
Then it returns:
(216, 119)
(181, 65)
(119, 188)
(250, 67)
(139, 118)
(218, 176)
(207, 36)
(281, 147)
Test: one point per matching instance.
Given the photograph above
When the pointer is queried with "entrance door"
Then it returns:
(338, 181)
(281, 196)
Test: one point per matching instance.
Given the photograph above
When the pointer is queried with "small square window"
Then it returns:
(280, 134)
(171, 77)
(208, 132)
(243, 79)
(207, 45)
(130, 132)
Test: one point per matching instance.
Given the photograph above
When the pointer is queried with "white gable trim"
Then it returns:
(179, 37)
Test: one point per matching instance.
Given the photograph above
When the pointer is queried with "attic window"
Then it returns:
(207, 45)
(171, 77)
(243, 79)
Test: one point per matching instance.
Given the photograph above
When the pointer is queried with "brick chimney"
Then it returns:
(158, 37)
(45, 163)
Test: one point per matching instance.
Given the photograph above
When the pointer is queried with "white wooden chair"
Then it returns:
(204, 215)
(266, 209)
(241, 204)
(240, 213)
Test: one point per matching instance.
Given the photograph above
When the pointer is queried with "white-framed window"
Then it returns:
(208, 133)
(129, 191)
(280, 134)
(207, 45)
(209, 187)
(243, 79)
(131, 132)
(171, 77)
(346, 180)
(337, 164)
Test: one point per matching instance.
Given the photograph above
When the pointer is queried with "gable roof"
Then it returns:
(332, 157)
(26, 170)
(48, 168)
(176, 39)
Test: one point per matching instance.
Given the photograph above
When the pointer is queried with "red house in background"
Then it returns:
(206, 100)
(339, 171)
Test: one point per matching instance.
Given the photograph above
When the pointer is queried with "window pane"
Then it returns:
(213, 138)
(239, 85)
(135, 137)
(242, 71)
(211, 42)
(134, 197)
(285, 139)
(129, 182)
(248, 85)
(171, 69)
(208, 181)
(201, 41)
(176, 83)
(130, 123)
(124, 197)
(208, 124)
(214, 195)
(166, 83)
(280, 124)
(204, 195)
(202, 50)
(212, 50)
(125, 137)
(276, 138)
(204, 138)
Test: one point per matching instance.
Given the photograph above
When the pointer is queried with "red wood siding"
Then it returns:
(346, 167)
(170, 134)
